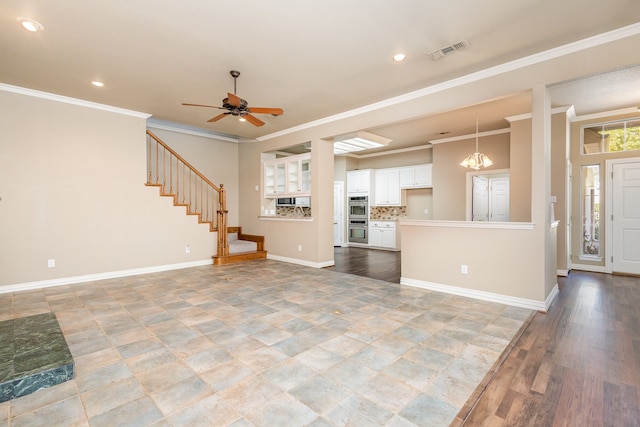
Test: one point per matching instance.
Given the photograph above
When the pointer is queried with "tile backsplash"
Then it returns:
(388, 212)
(293, 211)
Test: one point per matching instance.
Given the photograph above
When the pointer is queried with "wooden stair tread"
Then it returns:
(239, 257)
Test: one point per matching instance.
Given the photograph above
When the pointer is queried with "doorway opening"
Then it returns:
(488, 195)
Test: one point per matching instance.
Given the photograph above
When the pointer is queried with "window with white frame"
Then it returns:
(590, 211)
(611, 137)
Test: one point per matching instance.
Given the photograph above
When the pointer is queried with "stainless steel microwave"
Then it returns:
(293, 201)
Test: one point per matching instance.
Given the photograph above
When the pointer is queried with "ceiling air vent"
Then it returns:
(447, 50)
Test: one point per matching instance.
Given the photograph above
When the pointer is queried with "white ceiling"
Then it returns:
(313, 59)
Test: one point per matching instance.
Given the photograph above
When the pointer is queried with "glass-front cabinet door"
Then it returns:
(269, 179)
(305, 175)
(289, 176)
(293, 176)
(281, 182)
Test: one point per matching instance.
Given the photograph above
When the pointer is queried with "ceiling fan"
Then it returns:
(237, 106)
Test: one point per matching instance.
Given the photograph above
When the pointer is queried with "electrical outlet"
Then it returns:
(51, 263)
(187, 249)
(464, 269)
(299, 248)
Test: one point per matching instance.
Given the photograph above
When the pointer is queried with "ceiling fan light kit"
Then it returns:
(239, 107)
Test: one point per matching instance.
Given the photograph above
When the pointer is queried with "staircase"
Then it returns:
(177, 178)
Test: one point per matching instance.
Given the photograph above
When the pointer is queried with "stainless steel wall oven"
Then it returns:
(358, 231)
(359, 207)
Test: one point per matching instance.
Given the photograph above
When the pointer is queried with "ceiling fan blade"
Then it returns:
(253, 120)
(272, 111)
(234, 100)
(201, 105)
(218, 117)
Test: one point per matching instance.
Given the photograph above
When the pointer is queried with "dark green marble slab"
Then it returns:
(33, 355)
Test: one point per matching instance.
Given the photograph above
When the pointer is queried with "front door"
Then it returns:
(625, 200)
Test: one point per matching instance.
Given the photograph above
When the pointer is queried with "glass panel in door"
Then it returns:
(269, 179)
(293, 176)
(281, 184)
(305, 175)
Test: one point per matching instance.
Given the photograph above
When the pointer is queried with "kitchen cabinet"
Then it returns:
(382, 234)
(289, 176)
(359, 182)
(387, 188)
(418, 176)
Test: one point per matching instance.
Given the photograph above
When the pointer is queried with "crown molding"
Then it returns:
(471, 135)
(68, 100)
(606, 114)
(547, 55)
(189, 130)
(568, 109)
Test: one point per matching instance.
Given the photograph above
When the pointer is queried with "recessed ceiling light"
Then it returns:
(399, 57)
(97, 83)
(30, 24)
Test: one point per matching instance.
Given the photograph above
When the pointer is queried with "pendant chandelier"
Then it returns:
(476, 160)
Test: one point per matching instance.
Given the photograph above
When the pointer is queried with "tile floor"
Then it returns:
(262, 343)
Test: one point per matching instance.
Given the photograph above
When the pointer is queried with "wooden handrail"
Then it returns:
(179, 157)
(190, 194)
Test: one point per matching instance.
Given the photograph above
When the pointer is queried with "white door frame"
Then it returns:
(609, 208)
(567, 219)
(341, 208)
(470, 174)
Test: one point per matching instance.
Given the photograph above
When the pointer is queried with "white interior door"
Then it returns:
(338, 213)
(625, 200)
(499, 199)
(480, 198)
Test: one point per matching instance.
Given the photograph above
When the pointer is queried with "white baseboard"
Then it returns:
(301, 261)
(551, 297)
(481, 295)
(100, 276)
(587, 267)
(562, 273)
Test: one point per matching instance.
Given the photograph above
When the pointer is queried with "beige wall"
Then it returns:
(520, 177)
(449, 178)
(340, 169)
(418, 200)
(434, 254)
(72, 189)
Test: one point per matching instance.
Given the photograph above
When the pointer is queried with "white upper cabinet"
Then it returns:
(359, 181)
(289, 176)
(387, 188)
(418, 176)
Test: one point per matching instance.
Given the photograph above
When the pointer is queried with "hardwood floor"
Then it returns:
(372, 263)
(578, 365)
